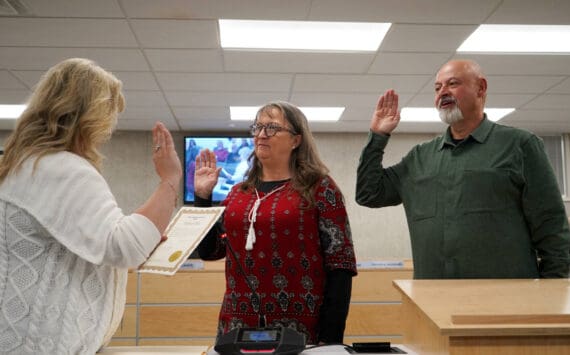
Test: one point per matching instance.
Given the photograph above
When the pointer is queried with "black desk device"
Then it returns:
(273, 341)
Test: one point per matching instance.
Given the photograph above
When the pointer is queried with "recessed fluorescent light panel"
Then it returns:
(518, 39)
(313, 114)
(302, 35)
(427, 114)
(11, 111)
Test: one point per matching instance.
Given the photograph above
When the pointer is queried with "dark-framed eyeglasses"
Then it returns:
(271, 129)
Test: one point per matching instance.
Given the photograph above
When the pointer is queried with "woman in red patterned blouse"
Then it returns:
(288, 228)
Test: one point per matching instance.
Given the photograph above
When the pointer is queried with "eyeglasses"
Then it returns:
(270, 129)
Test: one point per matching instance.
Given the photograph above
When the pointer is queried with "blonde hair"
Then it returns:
(305, 164)
(74, 108)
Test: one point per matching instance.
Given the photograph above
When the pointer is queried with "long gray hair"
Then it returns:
(305, 164)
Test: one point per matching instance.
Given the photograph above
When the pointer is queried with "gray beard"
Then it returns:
(450, 116)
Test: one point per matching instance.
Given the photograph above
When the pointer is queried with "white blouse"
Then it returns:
(65, 247)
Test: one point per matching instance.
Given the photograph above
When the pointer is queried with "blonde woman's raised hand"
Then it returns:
(166, 161)
(159, 206)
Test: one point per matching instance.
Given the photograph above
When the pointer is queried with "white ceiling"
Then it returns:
(167, 54)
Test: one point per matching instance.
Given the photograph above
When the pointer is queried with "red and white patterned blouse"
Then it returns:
(287, 266)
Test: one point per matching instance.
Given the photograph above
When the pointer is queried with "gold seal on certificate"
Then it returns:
(175, 256)
(185, 232)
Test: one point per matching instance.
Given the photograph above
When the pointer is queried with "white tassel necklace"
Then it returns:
(252, 216)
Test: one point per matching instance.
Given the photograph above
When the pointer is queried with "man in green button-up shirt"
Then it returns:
(481, 200)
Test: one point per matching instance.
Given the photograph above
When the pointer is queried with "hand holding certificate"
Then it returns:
(185, 232)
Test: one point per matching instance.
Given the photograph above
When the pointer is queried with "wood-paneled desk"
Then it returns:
(489, 317)
(183, 309)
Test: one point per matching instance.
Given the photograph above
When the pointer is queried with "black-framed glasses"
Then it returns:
(271, 129)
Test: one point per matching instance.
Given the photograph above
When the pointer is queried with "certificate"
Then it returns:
(185, 232)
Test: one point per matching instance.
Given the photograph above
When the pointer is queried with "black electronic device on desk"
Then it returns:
(274, 341)
(374, 347)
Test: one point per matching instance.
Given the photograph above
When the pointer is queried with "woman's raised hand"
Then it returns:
(166, 161)
(206, 174)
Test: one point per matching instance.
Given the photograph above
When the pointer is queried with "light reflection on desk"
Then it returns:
(155, 350)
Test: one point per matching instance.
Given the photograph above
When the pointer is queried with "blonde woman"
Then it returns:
(65, 245)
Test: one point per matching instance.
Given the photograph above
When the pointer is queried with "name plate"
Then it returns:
(395, 264)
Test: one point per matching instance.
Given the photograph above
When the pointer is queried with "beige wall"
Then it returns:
(378, 233)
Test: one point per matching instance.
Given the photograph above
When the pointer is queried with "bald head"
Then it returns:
(461, 85)
(467, 66)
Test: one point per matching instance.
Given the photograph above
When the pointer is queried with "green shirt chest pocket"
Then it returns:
(421, 197)
(486, 190)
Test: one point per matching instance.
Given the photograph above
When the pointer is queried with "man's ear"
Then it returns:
(482, 91)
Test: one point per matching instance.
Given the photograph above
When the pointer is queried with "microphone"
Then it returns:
(255, 297)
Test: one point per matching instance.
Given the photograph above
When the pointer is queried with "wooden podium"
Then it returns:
(486, 317)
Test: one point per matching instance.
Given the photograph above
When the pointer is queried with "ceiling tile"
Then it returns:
(37, 58)
(358, 83)
(562, 88)
(521, 84)
(187, 98)
(546, 12)
(145, 98)
(9, 81)
(29, 77)
(57, 32)
(550, 102)
(137, 80)
(185, 60)
(205, 113)
(301, 62)
(504, 100)
(177, 33)
(131, 80)
(157, 113)
(406, 11)
(512, 64)
(408, 63)
(511, 84)
(75, 8)
(224, 81)
(339, 99)
(247, 9)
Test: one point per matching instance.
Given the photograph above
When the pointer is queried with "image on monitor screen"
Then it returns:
(232, 153)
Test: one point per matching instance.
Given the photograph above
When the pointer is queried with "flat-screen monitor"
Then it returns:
(232, 153)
